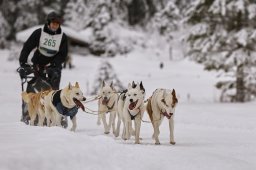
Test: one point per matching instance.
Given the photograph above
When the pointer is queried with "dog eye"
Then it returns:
(135, 94)
(109, 92)
(77, 94)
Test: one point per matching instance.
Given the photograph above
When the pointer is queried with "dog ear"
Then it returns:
(69, 86)
(103, 84)
(129, 86)
(142, 87)
(111, 85)
(77, 85)
(133, 84)
(175, 99)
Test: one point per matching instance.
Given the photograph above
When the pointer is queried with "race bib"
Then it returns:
(49, 44)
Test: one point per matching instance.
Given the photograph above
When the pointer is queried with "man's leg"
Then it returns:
(55, 79)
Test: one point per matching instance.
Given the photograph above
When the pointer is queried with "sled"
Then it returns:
(33, 83)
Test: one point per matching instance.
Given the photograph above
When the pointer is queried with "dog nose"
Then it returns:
(131, 100)
(170, 114)
(84, 98)
(105, 98)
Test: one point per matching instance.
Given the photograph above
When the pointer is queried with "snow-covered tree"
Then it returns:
(106, 73)
(223, 37)
(4, 30)
(26, 19)
(76, 15)
(183, 5)
(105, 39)
(167, 19)
(20, 14)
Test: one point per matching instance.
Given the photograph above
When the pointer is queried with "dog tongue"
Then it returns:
(132, 105)
(167, 115)
(79, 104)
(104, 101)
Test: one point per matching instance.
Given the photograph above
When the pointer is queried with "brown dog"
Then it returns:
(35, 103)
(162, 104)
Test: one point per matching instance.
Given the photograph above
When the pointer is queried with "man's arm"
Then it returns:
(31, 43)
(63, 52)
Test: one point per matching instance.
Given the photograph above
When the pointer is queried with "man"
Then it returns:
(51, 49)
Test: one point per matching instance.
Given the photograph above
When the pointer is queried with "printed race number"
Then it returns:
(49, 42)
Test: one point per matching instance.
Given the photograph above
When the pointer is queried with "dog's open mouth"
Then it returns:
(167, 115)
(133, 105)
(105, 101)
(78, 104)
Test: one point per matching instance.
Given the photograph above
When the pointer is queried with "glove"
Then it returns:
(25, 69)
(25, 65)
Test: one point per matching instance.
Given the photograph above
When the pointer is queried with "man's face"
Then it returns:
(54, 26)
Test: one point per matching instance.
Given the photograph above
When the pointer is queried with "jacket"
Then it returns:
(38, 58)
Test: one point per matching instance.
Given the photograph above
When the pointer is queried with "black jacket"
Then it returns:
(38, 58)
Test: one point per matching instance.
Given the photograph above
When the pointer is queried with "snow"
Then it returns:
(209, 135)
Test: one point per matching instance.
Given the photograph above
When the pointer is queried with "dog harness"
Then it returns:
(61, 108)
(133, 115)
(111, 107)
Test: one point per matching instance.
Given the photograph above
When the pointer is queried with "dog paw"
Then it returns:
(173, 143)
(72, 129)
(136, 142)
(106, 132)
(157, 143)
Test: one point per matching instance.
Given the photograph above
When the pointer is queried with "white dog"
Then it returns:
(120, 106)
(63, 103)
(133, 109)
(107, 103)
(162, 104)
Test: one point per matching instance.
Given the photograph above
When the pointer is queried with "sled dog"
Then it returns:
(162, 104)
(133, 109)
(107, 103)
(120, 106)
(35, 103)
(63, 103)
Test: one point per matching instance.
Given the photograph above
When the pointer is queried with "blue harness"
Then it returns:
(62, 109)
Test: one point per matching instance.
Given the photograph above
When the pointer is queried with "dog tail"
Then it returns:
(25, 97)
(149, 109)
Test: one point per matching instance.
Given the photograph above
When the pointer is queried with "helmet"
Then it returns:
(53, 16)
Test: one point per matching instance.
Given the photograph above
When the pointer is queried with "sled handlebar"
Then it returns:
(26, 71)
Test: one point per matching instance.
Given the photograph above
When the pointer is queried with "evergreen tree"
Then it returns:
(167, 19)
(106, 73)
(20, 15)
(76, 15)
(105, 41)
(4, 31)
(223, 37)
(183, 5)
